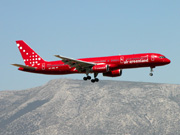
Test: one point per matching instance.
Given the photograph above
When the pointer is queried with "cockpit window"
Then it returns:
(162, 57)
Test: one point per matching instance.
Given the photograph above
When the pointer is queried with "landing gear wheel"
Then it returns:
(89, 77)
(93, 80)
(85, 78)
(96, 79)
(151, 73)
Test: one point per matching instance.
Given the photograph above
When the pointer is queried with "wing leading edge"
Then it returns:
(78, 64)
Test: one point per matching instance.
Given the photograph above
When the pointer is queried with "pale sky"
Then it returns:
(80, 29)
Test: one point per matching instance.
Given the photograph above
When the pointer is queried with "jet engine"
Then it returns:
(100, 68)
(114, 73)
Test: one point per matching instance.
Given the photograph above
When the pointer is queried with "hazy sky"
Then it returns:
(79, 28)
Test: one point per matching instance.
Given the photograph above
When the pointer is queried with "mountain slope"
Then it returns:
(67, 106)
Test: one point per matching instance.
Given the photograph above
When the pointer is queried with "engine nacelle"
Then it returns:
(102, 68)
(114, 73)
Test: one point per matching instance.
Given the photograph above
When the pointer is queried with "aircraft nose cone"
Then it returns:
(167, 61)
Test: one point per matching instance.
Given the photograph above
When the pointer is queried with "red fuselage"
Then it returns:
(114, 62)
(110, 66)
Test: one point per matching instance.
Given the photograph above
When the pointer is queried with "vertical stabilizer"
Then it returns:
(30, 57)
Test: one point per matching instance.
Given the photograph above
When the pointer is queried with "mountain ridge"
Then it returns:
(66, 106)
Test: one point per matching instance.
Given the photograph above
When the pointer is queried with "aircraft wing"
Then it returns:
(78, 64)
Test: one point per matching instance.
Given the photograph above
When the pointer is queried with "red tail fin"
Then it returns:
(30, 57)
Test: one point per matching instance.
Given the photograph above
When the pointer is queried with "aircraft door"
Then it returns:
(121, 59)
(43, 66)
(152, 57)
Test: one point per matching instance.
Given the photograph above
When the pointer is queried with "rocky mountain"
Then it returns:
(65, 106)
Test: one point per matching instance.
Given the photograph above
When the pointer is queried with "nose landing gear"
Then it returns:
(151, 73)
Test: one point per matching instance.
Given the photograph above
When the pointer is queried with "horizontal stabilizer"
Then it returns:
(23, 66)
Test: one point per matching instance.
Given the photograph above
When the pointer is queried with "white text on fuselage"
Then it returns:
(137, 60)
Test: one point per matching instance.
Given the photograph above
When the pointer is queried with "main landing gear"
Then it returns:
(92, 80)
(87, 78)
(95, 79)
(151, 73)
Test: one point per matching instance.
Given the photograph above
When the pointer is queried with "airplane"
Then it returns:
(109, 66)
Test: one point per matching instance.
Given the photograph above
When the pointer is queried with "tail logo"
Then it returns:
(30, 57)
